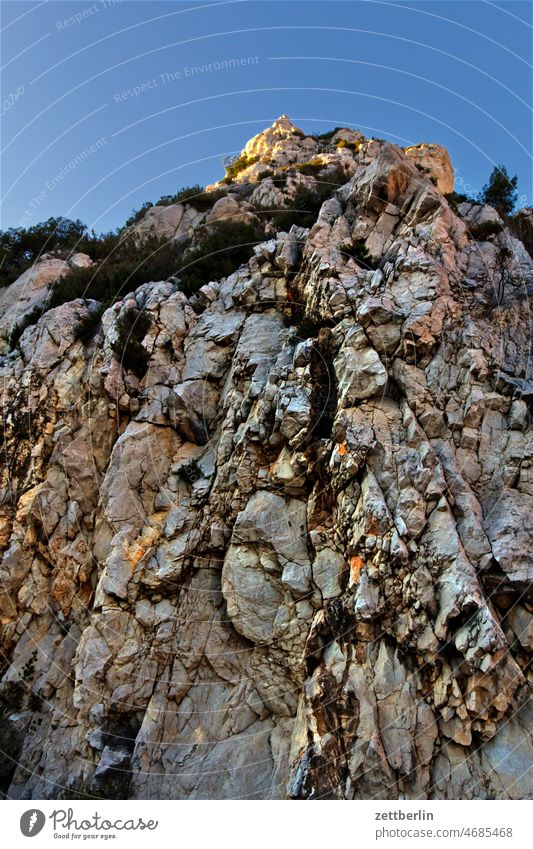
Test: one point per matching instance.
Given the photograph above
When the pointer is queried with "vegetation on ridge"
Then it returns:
(125, 268)
(304, 207)
(121, 265)
(195, 195)
(500, 191)
(235, 166)
(218, 254)
(20, 247)
(132, 326)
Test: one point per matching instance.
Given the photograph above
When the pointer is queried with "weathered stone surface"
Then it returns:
(434, 162)
(293, 560)
(31, 290)
(175, 221)
(522, 227)
(361, 374)
(229, 209)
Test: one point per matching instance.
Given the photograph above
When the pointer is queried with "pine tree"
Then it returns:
(500, 191)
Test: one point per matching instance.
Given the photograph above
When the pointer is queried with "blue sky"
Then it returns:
(104, 105)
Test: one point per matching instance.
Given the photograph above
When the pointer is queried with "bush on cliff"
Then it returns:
(357, 250)
(311, 168)
(500, 191)
(26, 320)
(20, 247)
(132, 326)
(124, 269)
(194, 195)
(218, 254)
(237, 165)
(304, 207)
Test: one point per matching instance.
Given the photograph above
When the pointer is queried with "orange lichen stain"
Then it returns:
(372, 526)
(356, 564)
(158, 518)
(149, 534)
(85, 594)
(136, 550)
(342, 448)
(63, 590)
(6, 526)
(321, 723)
(360, 652)
(25, 503)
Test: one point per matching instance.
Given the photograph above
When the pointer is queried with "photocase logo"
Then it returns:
(32, 822)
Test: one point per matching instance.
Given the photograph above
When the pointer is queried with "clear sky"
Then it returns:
(105, 105)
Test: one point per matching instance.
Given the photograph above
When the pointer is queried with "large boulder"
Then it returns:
(434, 163)
(28, 295)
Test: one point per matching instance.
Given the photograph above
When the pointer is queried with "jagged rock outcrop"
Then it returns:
(293, 559)
(174, 221)
(29, 293)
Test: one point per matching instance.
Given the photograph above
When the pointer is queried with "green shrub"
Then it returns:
(280, 179)
(98, 246)
(326, 137)
(12, 695)
(358, 251)
(481, 232)
(26, 321)
(86, 327)
(454, 199)
(500, 191)
(20, 247)
(28, 670)
(35, 701)
(132, 326)
(139, 213)
(302, 210)
(195, 195)
(238, 165)
(304, 207)
(219, 253)
(123, 270)
(350, 145)
(310, 168)
(187, 193)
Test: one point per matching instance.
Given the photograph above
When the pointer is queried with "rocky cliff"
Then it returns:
(293, 557)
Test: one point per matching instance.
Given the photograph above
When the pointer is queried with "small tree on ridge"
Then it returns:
(500, 191)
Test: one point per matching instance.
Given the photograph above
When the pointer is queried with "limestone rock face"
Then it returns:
(229, 209)
(522, 227)
(175, 221)
(434, 161)
(31, 290)
(293, 559)
(281, 143)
